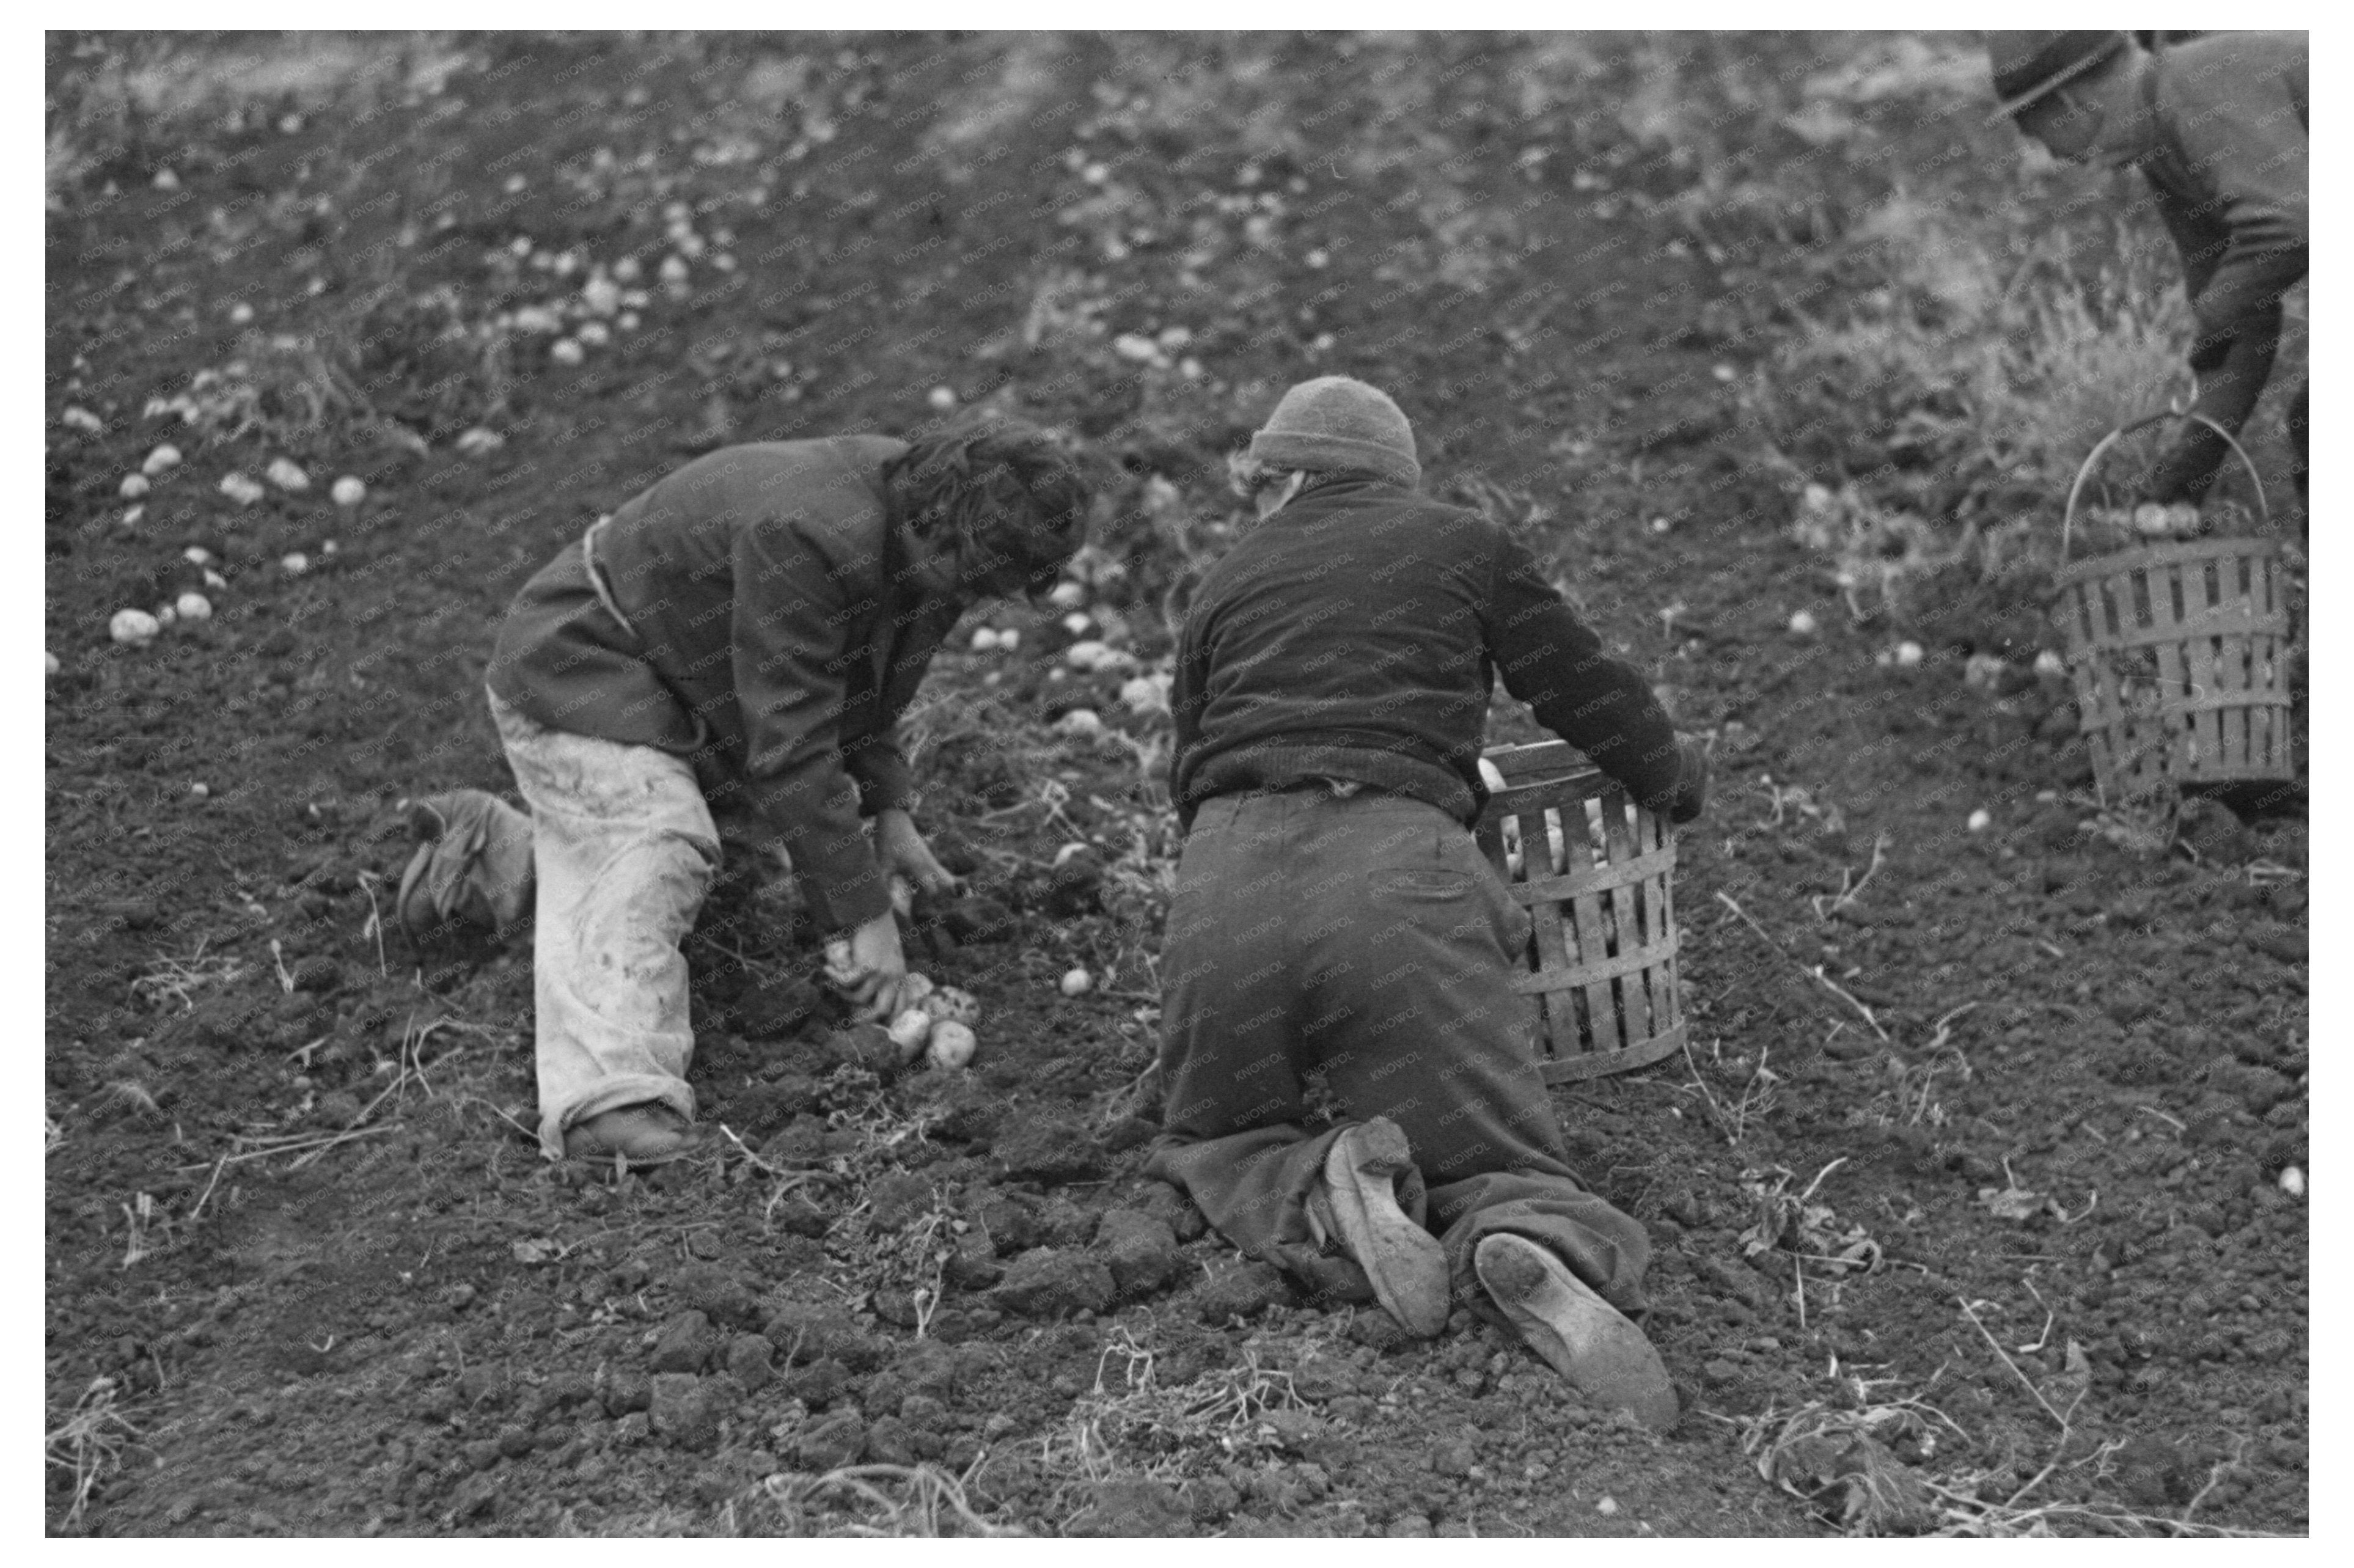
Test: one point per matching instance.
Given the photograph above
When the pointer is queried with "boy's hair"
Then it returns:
(999, 497)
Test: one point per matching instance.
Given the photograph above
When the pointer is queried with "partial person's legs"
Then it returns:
(625, 850)
(2297, 435)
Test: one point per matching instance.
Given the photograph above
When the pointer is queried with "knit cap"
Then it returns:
(1336, 423)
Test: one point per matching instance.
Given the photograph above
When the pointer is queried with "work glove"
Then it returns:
(1691, 781)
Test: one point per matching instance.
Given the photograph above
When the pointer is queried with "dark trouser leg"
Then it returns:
(1233, 1051)
(1415, 960)
(1253, 1187)
(1230, 1056)
(1603, 1247)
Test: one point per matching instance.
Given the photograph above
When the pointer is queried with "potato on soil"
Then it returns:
(133, 627)
(909, 1032)
(951, 1044)
(951, 1005)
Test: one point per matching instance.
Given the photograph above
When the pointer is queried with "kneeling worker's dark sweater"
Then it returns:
(1357, 633)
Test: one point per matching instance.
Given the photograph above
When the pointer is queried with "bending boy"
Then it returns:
(747, 630)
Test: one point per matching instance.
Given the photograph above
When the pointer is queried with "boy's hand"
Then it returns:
(902, 849)
(877, 969)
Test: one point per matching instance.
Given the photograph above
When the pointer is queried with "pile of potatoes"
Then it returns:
(934, 1022)
(2119, 527)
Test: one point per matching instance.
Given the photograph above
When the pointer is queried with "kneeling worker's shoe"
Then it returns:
(1583, 1337)
(647, 1134)
(1359, 1201)
(472, 863)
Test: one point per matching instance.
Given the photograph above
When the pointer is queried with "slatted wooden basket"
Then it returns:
(2175, 651)
(1596, 872)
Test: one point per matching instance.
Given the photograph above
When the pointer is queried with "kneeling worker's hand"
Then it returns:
(1691, 786)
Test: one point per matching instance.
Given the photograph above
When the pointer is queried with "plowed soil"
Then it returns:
(1985, 1138)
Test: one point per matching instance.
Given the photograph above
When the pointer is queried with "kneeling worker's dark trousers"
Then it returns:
(1367, 939)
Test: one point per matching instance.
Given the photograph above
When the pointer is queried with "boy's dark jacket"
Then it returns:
(781, 627)
(1357, 634)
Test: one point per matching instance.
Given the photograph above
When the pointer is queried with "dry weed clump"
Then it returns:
(171, 984)
(1866, 1466)
(1846, 1463)
(88, 1445)
(1938, 418)
(887, 1500)
(1131, 1423)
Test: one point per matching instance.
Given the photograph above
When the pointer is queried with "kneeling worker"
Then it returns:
(1334, 916)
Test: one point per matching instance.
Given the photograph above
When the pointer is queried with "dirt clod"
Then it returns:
(897, 1198)
(1064, 1223)
(1139, 1249)
(685, 1409)
(564, 1391)
(719, 1294)
(819, 1383)
(1320, 1378)
(807, 1331)
(1043, 1147)
(1245, 1291)
(768, 1011)
(1073, 888)
(2153, 1472)
(317, 973)
(973, 1264)
(1047, 1282)
(867, 1047)
(832, 1443)
(750, 1361)
(685, 1345)
(980, 921)
(891, 1441)
(1135, 1506)
(628, 1392)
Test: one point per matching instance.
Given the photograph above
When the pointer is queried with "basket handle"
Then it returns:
(2101, 447)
